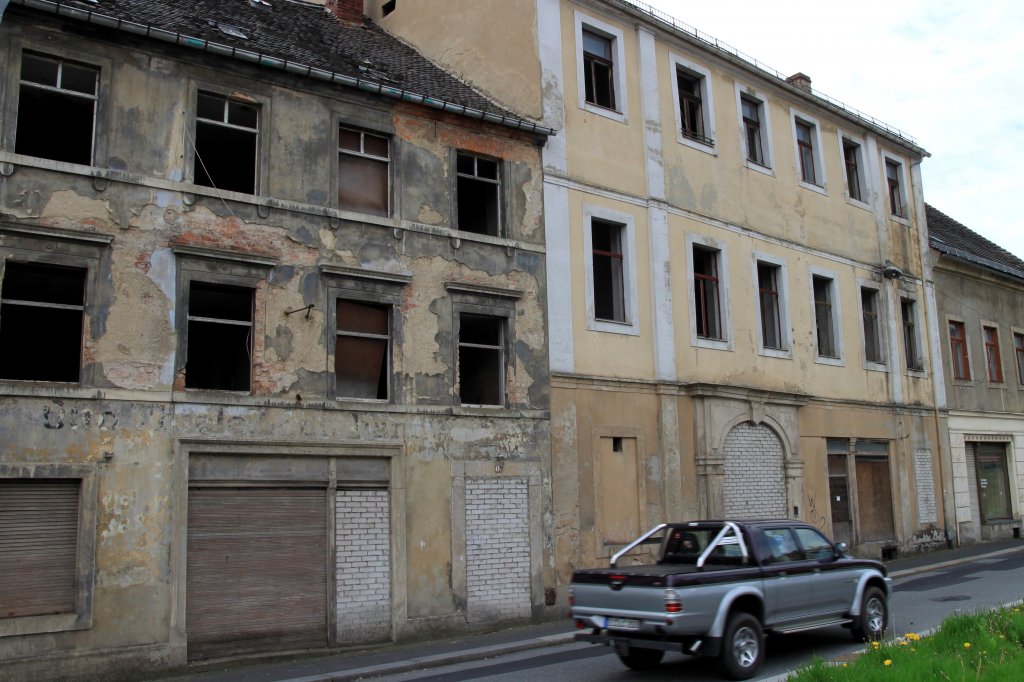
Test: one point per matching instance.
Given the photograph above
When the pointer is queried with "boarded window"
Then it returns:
(38, 546)
(481, 359)
(478, 194)
(609, 294)
(708, 307)
(363, 172)
(598, 70)
(56, 109)
(226, 142)
(219, 343)
(41, 322)
(362, 349)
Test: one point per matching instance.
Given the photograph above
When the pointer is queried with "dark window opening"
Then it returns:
(771, 317)
(708, 309)
(892, 176)
(56, 109)
(477, 194)
(823, 320)
(851, 156)
(752, 127)
(364, 172)
(869, 311)
(805, 146)
(992, 358)
(41, 322)
(910, 347)
(616, 443)
(691, 107)
(1018, 349)
(609, 292)
(388, 7)
(362, 349)
(227, 133)
(481, 359)
(958, 351)
(598, 70)
(219, 340)
(993, 477)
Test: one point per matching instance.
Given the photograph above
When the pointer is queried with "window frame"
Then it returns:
(500, 188)
(891, 161)
(1018, 351)
(389, 162)
(963, 355)
(782, 299)
(704, 142)
(835, 303)
(862, 175)
(245, 93)
(471, 299)
(993, 355)
(617, 37)
(874, 319)
(911, 341)
(818, 183)
(744, 92)
(630, 325)
(723, 279)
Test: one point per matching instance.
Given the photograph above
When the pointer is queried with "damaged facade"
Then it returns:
(273, 347)
(738, 293)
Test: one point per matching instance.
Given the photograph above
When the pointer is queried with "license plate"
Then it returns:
(622, 624)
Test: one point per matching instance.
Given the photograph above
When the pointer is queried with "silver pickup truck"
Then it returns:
(718, 586)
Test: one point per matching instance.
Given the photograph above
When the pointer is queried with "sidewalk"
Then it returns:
(397, 658)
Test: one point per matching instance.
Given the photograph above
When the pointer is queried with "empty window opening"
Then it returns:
(751, 110)
(823, 317)
(481, 359)
(908, 310)
(992, 358)
(691, 106)
(771, 314)
(869, 313)
(477, 194)
(616, 443)
(958, 351)
(892, 176)
(219, 341)
(1018, 349)
(56, 109)
(598, 70)
(362, 349)
(42, 310)
(609, 293)
(388, 7)
(708, 308)
(851, 157)
(364, 172)
(227, 134)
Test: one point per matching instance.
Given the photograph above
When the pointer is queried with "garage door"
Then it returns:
(257, 570)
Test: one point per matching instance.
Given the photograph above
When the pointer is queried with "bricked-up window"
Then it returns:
(707, 296)
(609, 294)
(992, 358)
(1018, 349)
(805, 150)
(824, 322)
(56, 109)
(478, 194)
(958, 350)
(771, 312)
(598, 69)
(851, 157)
(691, 106)
(364, 172)
(754, 133)
(226, 143)
(869, 317)
(911, 344)
(893, 171)
(362, 349)
(219, 341)
(481, 368)
(41, 322)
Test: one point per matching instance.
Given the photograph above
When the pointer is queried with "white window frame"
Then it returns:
(837, 330)
(785, 330)
(888, 157)
(821, 184)
(725, 343)
(616, 35)
(862, 167)
(707, 108)
(766, 129)
(631, 325)
(881, 318)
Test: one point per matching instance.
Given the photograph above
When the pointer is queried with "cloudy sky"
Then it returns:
(950, 73)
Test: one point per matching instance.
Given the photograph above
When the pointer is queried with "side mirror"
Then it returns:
(841, 548)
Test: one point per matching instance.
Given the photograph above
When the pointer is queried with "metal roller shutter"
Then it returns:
(257, 570)
(38, 546)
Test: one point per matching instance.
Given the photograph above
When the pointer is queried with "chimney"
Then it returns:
(800, 80)
(348, 12)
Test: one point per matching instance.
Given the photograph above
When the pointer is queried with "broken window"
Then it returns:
(691, 106)
(958, 350)
(771, 312)
(478, 194)
(598, 69)
(869, 314)
(364, 172)
(992, 358)
(219, 341)
(609, 294)
(707, 298)
(911, 349)
(41, 322)
(362, 349)
(851, 157)
(481, 364)
(893, 171)
(751, 111)
(56, 109)
(226, 143)
(824, 322)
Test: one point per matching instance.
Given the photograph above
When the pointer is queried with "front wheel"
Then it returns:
(742, 647)
(641, 659)
(870, 625)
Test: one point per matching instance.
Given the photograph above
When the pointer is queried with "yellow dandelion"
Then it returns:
(967, 645)
(888, 662)
(903, 643)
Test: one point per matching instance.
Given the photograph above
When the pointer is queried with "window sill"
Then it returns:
(916, 373)
(863, 205)
(37, 625)
(766, 170)
(613, 327)
(834, 362)
(708, 149)
(780, 353)
(713, 344)
(603, 111)
(820, 189)
(876, 366)
(900, 219)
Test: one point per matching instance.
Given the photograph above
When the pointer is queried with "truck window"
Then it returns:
(814, 543)
(781, 545)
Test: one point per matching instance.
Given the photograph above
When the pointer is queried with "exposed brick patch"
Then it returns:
(363, 533)
(497, 549)
(755, 485)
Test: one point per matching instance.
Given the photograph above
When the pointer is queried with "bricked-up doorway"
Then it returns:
(755, 478)
(497, 549)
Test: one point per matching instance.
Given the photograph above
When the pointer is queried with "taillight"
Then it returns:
(572, 596)
(673, 604)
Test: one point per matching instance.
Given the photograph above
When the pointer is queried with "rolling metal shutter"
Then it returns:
(38, 546)
(257, 570)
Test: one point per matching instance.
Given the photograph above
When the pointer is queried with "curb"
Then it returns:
(952, 562)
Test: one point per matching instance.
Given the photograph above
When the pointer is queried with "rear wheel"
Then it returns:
(870, 625)
(641, 659)
(742, 647)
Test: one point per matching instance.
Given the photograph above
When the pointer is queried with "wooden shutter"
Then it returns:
(38, 546)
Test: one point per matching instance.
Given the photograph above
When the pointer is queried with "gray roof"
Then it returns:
(956, 240)
(298, 37)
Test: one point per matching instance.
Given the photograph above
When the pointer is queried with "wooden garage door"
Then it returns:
(257, 570)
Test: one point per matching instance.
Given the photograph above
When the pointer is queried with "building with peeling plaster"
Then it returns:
(740, 304)
(273, 331)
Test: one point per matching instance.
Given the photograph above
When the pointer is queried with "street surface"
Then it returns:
(919, 603)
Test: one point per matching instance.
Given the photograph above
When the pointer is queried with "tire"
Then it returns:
(873, 620)
(742, 647)
(641, 659)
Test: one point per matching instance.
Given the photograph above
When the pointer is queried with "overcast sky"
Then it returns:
(949, 73)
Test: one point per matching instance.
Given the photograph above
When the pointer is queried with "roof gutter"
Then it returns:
(976, 260)
(254, 57)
